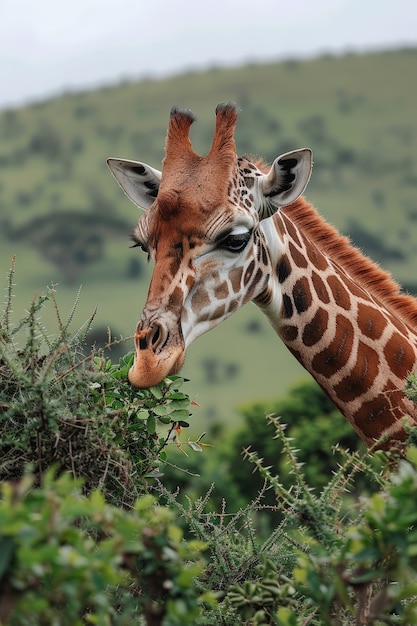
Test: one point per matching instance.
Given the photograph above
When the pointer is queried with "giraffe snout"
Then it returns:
(158, 353)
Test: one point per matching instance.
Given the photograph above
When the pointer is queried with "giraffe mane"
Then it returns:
(370, 276)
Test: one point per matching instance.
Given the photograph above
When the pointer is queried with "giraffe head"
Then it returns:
(201, 227)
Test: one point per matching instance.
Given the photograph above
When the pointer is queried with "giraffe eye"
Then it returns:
(137, 243)
(235, 242)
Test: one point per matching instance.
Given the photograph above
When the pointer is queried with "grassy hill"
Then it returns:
(357, 113)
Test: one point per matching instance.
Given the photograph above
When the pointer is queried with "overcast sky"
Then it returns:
(48, 46)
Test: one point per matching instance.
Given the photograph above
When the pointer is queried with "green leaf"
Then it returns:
(156, 392)
(127, 360)
(180, 414)
(150, 425)
(176, 381)
(161, 409)
(179, 404)
(178, 396)
(144, 502)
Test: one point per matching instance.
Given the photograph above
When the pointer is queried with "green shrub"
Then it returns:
(81, 538)
(71, 559)
(328, 561)
(84, 538)
(60, 407)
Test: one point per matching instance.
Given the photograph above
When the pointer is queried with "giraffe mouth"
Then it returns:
(156, 355)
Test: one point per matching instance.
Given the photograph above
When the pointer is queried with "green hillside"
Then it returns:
(68, 223)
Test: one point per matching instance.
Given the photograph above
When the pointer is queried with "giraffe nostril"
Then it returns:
(156, 336)
(153, 337)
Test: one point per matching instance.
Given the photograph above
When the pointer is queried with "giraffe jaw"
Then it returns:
(149, 368)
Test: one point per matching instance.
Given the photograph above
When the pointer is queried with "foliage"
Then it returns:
(96, 550)
(317, 429)
(58, 406)
(84, 538)
(304, 405)
(69, 240)
(69, 559)
(328, 560)
(371, 570)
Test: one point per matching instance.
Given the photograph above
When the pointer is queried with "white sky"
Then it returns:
(48, 46)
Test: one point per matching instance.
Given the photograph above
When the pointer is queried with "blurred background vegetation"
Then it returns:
(68, 223)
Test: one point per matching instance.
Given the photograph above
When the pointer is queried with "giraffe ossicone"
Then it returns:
(223, 231)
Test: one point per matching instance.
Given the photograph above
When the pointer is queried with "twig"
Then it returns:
(5, 320)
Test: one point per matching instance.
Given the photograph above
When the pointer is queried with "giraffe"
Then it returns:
(223, 231)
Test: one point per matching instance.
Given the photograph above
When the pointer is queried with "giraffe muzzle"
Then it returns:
(158, 353)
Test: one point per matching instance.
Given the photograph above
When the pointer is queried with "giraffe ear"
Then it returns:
(139, 181)
(287, 178)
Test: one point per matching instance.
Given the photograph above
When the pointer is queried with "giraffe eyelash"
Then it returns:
(137, 243)
(234, 241)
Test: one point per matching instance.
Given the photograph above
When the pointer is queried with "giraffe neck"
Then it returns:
(355, 340)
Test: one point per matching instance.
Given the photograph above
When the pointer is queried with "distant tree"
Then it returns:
(134, 268)
(314, 128)
(70, 240)
(46, 142)
(314, 424)
(217, 371)
(253, 326)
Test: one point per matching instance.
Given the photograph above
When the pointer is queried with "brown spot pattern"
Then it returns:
(320, 288)
(176, 297)
(221, 291)
(219, 312)
(283, 269)
(340, 295)
(258, 276)
(249, 272)
(288, 333)
(292, 231)
(399, 355)
(301, 295)
(200, 299)
(287, 307)
(370, 321)
(337, 353)
(298, 258)
(317, 259)
(236, 278)
(264, 255)
(374, 416)
(315, 329)
(362, 375)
